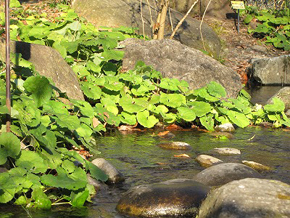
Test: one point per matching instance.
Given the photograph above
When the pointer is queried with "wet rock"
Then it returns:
(270, 71)
(227, 151)
(116, 13)
(284, 95)
(223, 173)
(94, 182)
(256, 166)
(207, 160)
(249, 197)
(175, 145)
(114, 175)
(175, 60)
(226, 127)
(49, 63)
(174, 198)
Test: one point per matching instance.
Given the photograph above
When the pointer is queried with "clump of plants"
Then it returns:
(48, 130)
(273, 25)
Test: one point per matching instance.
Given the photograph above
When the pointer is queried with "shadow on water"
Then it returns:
(139, 158)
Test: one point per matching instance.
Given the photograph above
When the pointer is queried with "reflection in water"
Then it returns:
(260, 95)
(139, 158)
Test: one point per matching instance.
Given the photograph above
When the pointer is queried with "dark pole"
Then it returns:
(238, 20)
(8, 94)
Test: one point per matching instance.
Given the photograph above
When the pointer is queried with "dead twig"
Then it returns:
(181, 21)
(201, 36)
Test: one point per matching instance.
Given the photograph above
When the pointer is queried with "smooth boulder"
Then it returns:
(114, 175)
(251, 197)
(173, 198)
(223, 173)
(175, 60)
(117, 13)
(49, 63)
(270, 71)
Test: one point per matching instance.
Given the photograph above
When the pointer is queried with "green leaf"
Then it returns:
(248, 19)
(68, 121)
(40, 89)
(9, 146)
(41, 201)
(60, 48)
(112, 55)
(238, 118)
(200, 108)
(128, 118)
(74, 181)
(145, 120)
(208, 122)
(172, 100)
(169, 117)
(96, 173)
(31, 161)
(91, 90)
(78, 198)
(84, 131)
(277, 106)
(129, 105)
(215, 89)
(186, 114)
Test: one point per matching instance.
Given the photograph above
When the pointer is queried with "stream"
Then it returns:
(139, 158)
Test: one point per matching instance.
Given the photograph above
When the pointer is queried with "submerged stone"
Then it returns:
(256, 166)
(226, 127)
(207, 160)
(249, 197)
(223, 173)
(175, 145)
(227, 151)
(174, 198)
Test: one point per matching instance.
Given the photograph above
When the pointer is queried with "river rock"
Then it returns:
(207, 160)
(175, 60)
(49, 63)
(114, 175)
(249, 197)
(173, 198)
(223, 173)
(284, 95)
(256, 166)
(226, 127)
(116, 13)
(175, 145)
(227, 151)
(270, 71)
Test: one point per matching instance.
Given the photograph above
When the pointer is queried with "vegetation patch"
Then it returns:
(50, 131)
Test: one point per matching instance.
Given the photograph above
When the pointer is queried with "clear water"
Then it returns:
(139, 158)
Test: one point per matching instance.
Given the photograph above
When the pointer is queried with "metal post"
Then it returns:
(8, 94)
(238, 28)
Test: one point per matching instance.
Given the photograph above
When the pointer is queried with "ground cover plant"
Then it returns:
(49, 130)
(273, 25)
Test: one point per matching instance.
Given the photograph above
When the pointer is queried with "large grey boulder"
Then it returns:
(217, 8)
(223, 173)
(173, 198)
(255, 198)
(270, 71)
(284, 95)
(49, 63)
(116, 13)
(175, 60)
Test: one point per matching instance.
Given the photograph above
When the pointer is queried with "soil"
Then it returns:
(238, 48)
